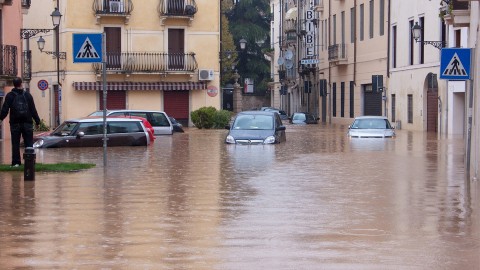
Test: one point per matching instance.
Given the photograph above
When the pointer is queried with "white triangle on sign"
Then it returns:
(455, 67)
(87, 50)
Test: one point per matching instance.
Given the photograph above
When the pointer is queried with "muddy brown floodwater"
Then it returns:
(319, 201)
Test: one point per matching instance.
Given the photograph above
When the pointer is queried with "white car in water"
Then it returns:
(371, 127)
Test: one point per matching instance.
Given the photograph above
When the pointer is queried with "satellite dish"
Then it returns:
(288, 54)
(280, 61)
(288, 63)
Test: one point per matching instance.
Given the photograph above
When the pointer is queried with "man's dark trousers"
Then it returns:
(24, 130)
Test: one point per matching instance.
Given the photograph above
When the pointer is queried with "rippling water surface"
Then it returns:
(319, 201)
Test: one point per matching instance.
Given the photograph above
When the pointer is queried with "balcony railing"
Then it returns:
(6, 2)
(177, 8)
(290, 26)
(115, 8)
(337, 53)
(148, 62)
(8, 61)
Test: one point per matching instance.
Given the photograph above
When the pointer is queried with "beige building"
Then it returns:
(160, 55)
(353, 44)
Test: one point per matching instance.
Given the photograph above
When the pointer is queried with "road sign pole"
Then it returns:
(104, 86)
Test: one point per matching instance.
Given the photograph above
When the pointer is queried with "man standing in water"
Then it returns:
(22, 109)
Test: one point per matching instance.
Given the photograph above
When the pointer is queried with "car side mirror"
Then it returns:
(227, 127)
(281, 128)
(80, 134)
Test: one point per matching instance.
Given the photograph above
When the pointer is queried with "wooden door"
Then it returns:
(432, 109)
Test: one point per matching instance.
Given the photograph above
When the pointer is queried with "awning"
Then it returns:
(130, 86)
(291, 14)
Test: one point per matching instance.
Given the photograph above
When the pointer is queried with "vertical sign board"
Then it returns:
(455, 63)
(310, 33)
(87, 48)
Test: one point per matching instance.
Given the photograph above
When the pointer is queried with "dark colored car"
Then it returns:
(177, 127)
(256, 127)
(303, 118)
(283, 114)
(88, 132)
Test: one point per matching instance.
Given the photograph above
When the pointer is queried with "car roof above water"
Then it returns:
(100, 119)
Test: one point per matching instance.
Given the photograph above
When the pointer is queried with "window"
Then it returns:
(370, 32)
(422, 37)
(458, 38)
(352, 97)
(410, 51)
(342, 18)
(352, 25)
(334, 30)
(342, 99)
(382, 17)
(393, 108)
(361, 22)
(334, 99)
(394, 46)
(410, 108)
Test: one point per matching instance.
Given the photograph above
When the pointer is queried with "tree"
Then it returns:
(228, 54)
(250, 20)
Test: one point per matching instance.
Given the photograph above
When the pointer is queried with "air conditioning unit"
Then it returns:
(205, 74)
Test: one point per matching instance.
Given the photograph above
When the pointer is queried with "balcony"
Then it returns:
(177, 9)
(148, 63)
(113, 8)
(290, 26)
(337, 54)
(459, 15)
(318, 5)
(8, 61)
(6, 2)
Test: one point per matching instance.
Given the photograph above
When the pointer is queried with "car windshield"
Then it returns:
(371, 124)
(263, 122)
(65, 129)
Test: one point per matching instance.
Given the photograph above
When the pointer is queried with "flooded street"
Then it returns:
(319, 201)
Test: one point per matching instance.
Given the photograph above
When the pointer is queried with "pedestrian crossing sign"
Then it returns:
(87, 48)
(455, 64)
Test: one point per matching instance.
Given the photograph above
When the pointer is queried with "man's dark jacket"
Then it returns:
(32, 111)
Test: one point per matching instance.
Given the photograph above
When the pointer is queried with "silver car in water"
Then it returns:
(371, 127)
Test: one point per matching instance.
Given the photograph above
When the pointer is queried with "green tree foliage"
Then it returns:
(228, 55)
(250, 20)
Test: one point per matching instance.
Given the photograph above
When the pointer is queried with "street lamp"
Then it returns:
(417, 32)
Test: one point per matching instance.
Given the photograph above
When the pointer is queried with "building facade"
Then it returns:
(159, 55)
(10, 50)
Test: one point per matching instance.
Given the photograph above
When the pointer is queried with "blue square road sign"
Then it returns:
(455, 63)
(87, 48)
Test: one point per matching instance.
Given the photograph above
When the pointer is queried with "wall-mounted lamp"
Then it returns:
(417, 32)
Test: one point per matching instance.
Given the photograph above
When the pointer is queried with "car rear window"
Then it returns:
(159, 120)
(124, 127)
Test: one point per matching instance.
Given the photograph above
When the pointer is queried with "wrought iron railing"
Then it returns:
(8, 2)
(177, 8)
(27, 65)
(112, 7)
(8, 61)
(26, 3)
(290, 26)
(337, 52)
(148, 62)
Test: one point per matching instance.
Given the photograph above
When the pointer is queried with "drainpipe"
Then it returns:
(355, 45)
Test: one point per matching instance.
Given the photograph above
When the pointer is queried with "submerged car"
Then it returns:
(283, 114)
(303, 118)
(371, 127)
(177, 126)
(158, 119)
(89, 132)
(256, 127)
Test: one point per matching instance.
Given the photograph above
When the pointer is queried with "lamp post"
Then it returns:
(417, 32)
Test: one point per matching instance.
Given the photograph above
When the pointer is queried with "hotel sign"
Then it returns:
(310, 33)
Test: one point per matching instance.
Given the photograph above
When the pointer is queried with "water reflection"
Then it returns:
(318, 201)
